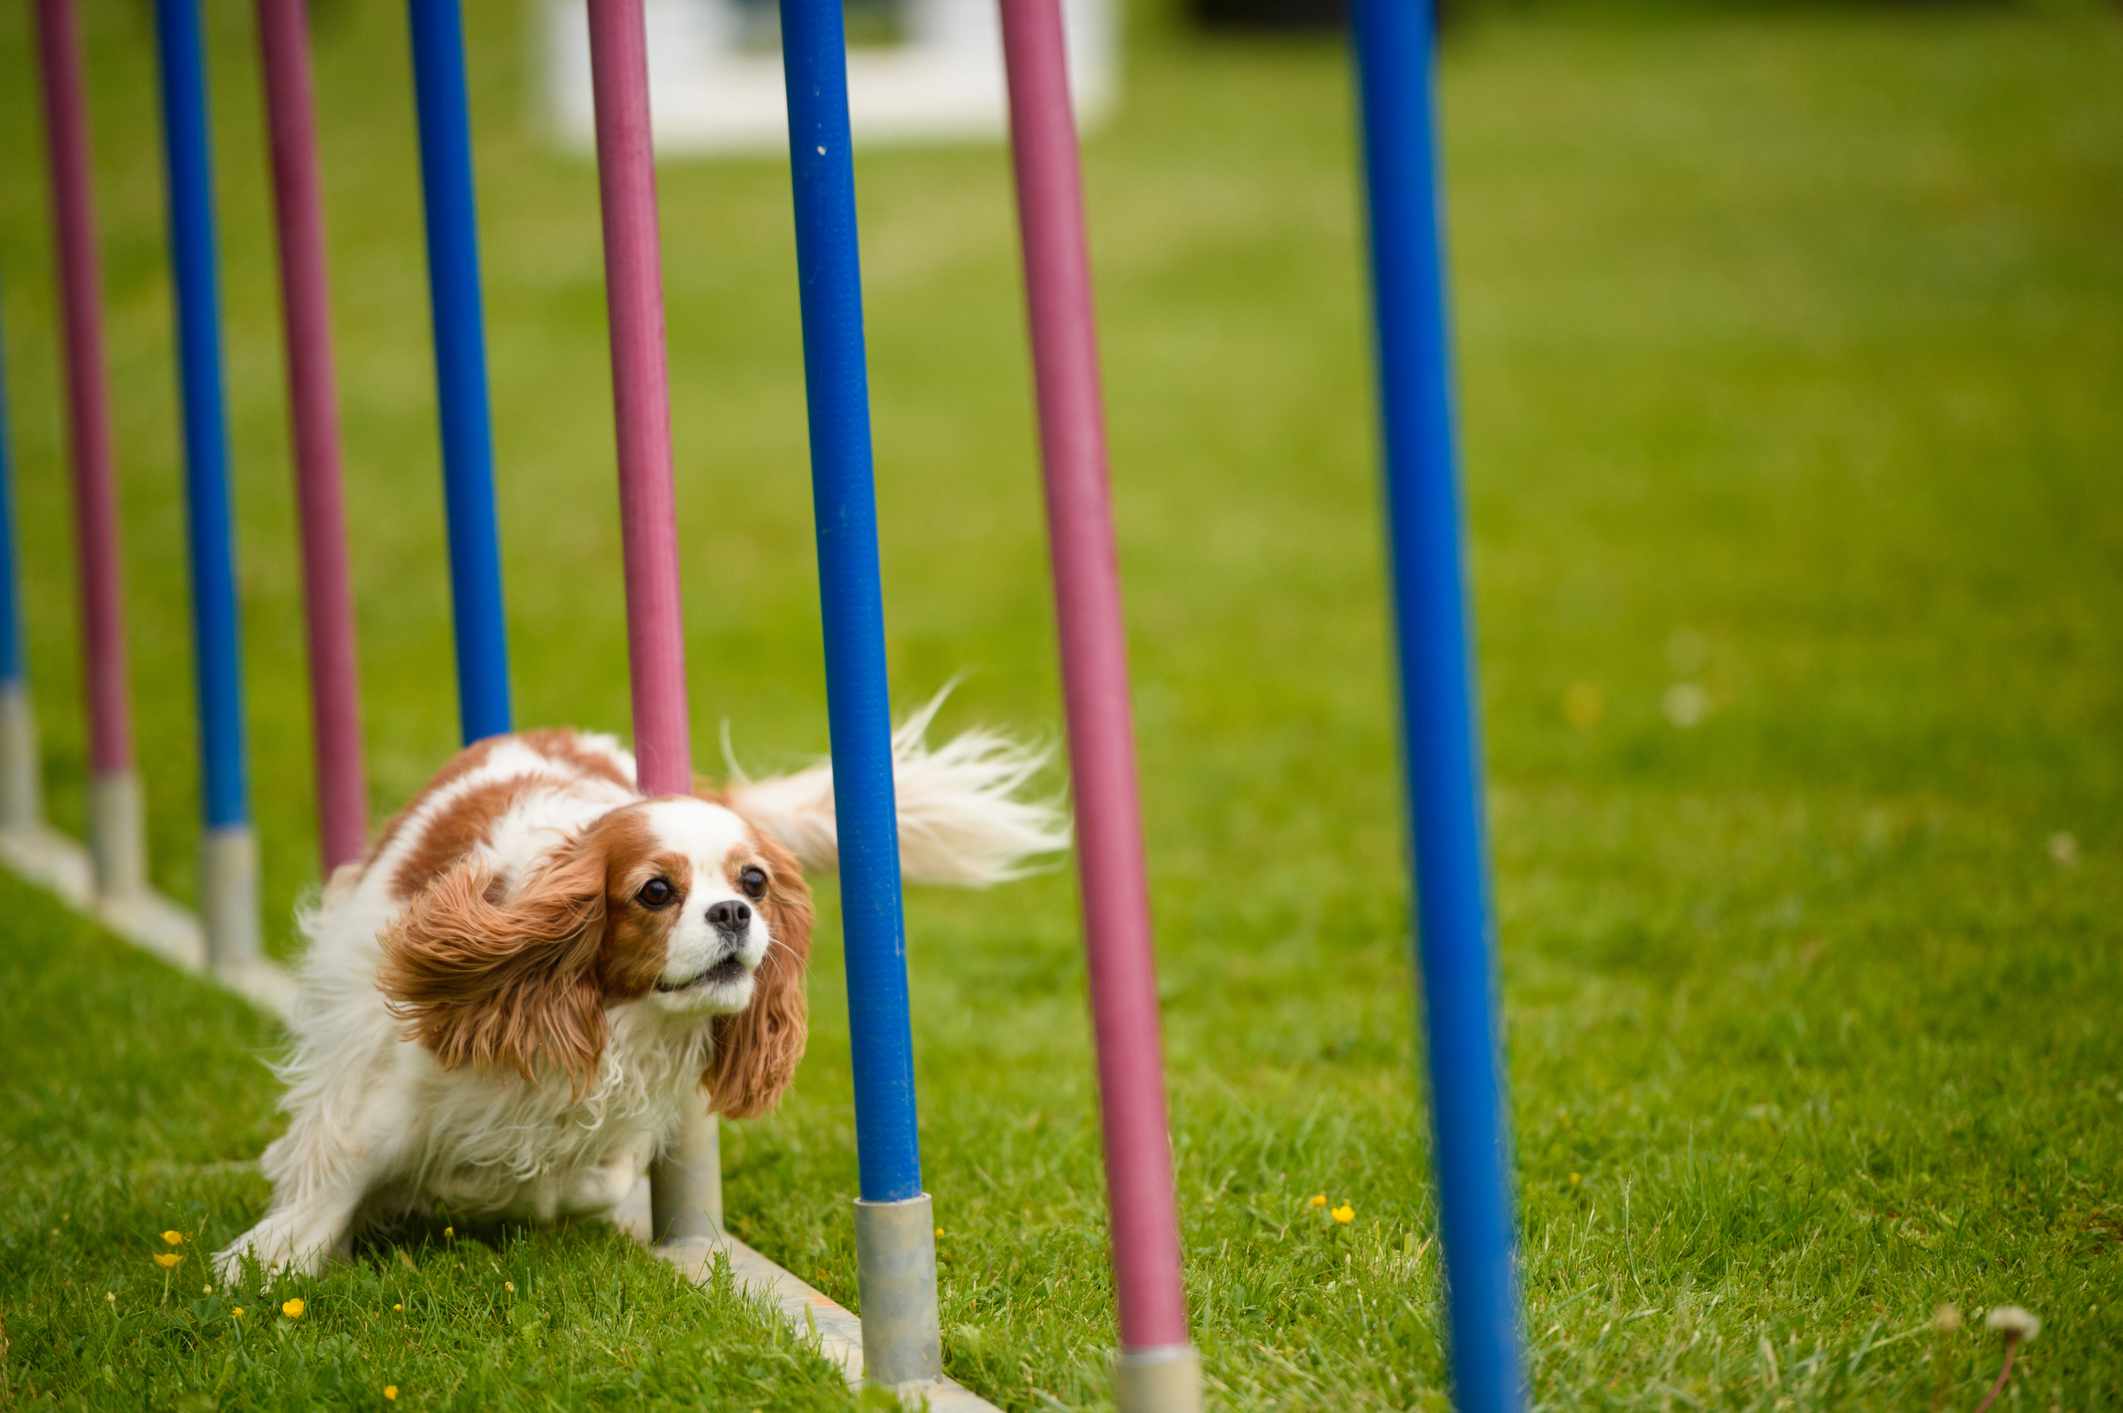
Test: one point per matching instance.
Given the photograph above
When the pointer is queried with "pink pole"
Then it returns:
(626, 179)
(685, 1184)
(335, 700)
(87, 393)
(1116, 892)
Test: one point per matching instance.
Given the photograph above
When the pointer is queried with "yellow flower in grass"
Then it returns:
(237, 1312)
(168, 1260)
(399, 1307)
(1317, 1199)
(1344, 1214)
(292, 1308)
(173, 1238)
(390, 1391)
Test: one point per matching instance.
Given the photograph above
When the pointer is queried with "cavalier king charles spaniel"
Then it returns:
(508, 1005)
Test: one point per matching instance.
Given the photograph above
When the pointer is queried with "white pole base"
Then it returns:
(228, 897)
(895, 1271)
(116, 836)
(685, 1184)
(1164, 1379)
(21, 802)
(828, 1326)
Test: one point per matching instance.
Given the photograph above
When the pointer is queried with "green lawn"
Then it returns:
(1791, 347)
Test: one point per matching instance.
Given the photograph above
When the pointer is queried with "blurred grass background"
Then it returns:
(1790, 342)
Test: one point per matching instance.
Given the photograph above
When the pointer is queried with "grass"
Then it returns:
(1790, 346)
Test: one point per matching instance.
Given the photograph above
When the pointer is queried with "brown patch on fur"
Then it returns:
(560, 747)
(510, 983)
(565, 748)
(637, 936)
(456, 768)
(757, 1049)
(457, 829)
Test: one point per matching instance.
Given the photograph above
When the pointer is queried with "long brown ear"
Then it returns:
(513, 981)
(756, 1050)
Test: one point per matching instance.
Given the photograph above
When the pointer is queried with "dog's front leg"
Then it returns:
(605, 1186)
(321, 1176)
(297, 1238)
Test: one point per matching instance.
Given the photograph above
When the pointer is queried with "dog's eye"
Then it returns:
(656, 893)
(753, 879)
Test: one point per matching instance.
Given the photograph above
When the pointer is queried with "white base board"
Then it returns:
(711, 91)
(809, 1311)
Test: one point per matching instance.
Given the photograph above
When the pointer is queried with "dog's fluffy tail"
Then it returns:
(962, 819)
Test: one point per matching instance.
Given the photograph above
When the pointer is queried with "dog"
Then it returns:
(509, 1004)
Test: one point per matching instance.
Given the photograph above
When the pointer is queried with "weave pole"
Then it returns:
(117, 847)
(1158, 1367)
(1441, 752)
(21, 802)
(895, 1241)
(460, 367)
(228, 859)
(305, 309)
(685, 1186)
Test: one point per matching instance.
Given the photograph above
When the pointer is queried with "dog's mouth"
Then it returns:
(723, 973)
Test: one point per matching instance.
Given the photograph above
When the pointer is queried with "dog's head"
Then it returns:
(677, 905)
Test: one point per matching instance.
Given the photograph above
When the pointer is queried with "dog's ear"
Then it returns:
(483, 977)
(756, 1050)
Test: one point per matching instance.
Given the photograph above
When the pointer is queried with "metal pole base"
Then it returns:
(685, 1184)
(228, 897)
(116, 843)
(21, 808)
(1165, 1379)
(895, 1266)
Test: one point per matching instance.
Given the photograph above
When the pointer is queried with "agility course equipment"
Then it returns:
(460, 367)
(313, 409)
(1157, 1368)
(21, 805)
(1441, 755)
(685, 1191)
(895, 1229)
(116, 839)
(897, 1342)
(228, 861)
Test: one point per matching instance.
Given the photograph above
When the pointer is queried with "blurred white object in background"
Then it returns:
(917, 70)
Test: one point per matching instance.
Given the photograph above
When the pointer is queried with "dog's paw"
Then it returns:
(280, 1246)
(228, 1263)
(596, 1191)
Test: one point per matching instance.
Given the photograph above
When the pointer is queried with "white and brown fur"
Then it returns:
(501, 1014)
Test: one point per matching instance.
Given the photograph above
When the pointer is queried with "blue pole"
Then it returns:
(20, 807)
(13, 667)
(206, 481)
(1441, 752)
(460, 367)
(829, 276)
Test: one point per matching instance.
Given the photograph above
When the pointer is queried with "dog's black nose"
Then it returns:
(730, 916)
